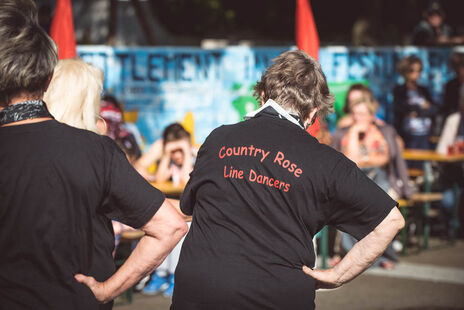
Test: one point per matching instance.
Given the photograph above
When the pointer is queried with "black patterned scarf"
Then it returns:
(24, 110)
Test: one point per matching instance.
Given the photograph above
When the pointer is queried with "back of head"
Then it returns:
(175, 132)
(73, 96)
(27, 54)
(296, 82)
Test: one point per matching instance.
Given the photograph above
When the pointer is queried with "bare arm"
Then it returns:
(162, 233)
(153, 154)
(352, 151)
(361, 256)
(162, 173)
(176, 204)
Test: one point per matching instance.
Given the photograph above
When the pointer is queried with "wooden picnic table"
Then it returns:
(429, 156)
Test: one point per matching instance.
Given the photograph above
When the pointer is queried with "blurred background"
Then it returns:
(196, 62)
(256, 22)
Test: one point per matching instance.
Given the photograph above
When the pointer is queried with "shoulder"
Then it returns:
(217, 133)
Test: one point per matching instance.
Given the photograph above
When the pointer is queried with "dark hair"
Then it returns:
(27, 54)
(434, 7)
(112, 99)
(361, 87)
(405, 64)
(129, 146)
(175, 132)
(296, 82)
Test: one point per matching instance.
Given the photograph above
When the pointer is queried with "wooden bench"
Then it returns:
(414, 173)
(418, 200)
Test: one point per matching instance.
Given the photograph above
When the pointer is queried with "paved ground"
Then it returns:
(429, 280)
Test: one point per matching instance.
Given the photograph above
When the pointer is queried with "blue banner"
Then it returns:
(162, 84)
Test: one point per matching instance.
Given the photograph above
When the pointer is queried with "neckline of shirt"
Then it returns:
(280, 111)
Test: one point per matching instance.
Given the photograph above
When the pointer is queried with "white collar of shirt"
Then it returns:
(274, 105)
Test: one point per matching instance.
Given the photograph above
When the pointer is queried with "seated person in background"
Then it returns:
(373, 144)
(452, 142)
(432, 30)
(413, 106)
(173, 154)
(112, 114)
(355, 92)
(376, 151)
(177, 160)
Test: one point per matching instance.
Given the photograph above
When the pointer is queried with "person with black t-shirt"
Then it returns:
(59, 189)
(413, 106)
(260, 191)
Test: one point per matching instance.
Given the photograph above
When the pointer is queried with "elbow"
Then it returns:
(179, 229)
(398, 221)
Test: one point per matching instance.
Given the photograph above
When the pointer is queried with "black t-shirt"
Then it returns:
(261, 189)
(59, 188)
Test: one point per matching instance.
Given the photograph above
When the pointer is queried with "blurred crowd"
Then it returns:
(375, 146)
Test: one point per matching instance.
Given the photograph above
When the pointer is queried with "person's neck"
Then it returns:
(24, 98)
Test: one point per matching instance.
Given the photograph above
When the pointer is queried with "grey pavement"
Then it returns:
(428, 280)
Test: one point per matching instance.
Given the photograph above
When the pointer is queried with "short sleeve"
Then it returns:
(357, 204)
(129, 199)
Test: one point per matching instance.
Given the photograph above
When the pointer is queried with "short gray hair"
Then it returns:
(27, 54)
(296, 82)
(27, 8)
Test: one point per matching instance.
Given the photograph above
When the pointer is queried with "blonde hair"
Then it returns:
(367, 98)
(73, 96)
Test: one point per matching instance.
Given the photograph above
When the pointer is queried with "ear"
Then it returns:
(261, 98)
(311, 118)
